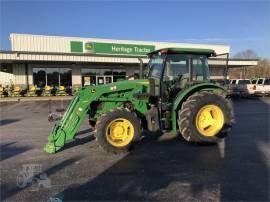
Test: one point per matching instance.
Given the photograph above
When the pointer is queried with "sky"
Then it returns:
(241, 24)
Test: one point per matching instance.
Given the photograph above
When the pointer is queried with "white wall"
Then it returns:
(76, 75)
(5, 78)
(19, 74)
(61, 44)
(30, 75)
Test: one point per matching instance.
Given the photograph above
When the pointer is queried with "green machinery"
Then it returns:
(47, 91)
(175, 96)
(16, 91)
(32, 91)
(61, 91)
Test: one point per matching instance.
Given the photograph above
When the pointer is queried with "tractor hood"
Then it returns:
(138, 86)
(127, 84)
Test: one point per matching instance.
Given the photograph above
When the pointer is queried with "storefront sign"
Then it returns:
(110, 48)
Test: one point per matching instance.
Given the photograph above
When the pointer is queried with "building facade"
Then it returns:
(68, 61)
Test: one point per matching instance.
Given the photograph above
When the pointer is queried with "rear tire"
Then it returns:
(205, 117)
(117, 130)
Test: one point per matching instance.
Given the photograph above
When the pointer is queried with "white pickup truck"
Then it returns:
(238, 87)
(260, 86)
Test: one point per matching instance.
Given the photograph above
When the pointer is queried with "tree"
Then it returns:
(261, 70)
(247, 54)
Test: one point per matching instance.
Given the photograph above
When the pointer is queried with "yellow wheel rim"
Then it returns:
(61, 88)
(209, 120)
(32, 88)
(47, 88)
(120, 132)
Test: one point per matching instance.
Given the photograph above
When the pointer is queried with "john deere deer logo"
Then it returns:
(89, 47)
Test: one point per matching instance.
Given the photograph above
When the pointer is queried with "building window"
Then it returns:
(119, 74)
(65, 77)
(52, 77)
(6, 67)
(39, 77)
(101, 76)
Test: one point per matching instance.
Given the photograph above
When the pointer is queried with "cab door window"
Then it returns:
(200, 68)
(155, 66)
(176, 75)
(176, 67)
(155, 71)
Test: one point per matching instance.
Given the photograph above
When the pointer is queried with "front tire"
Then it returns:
(117, 129)
(205, 117)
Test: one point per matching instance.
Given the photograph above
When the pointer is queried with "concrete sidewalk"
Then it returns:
(27, 99)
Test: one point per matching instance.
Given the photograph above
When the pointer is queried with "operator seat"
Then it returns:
(184, 80)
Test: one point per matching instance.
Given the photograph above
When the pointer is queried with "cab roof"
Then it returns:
(196, 51)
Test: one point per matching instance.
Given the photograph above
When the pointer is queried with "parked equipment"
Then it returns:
(16, 91)
(32, 91)
(175, 96)
(61, 91)
(47, 91)
(75, 89)
(2, 90)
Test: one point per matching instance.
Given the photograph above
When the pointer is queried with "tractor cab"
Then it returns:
(174, 69)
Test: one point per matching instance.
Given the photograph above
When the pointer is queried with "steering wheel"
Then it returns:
(175, 84)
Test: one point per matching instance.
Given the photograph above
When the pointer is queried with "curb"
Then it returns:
(31, 99)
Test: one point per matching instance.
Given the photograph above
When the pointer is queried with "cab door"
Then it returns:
(155, 72)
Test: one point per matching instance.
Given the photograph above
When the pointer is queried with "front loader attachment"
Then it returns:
(112, 95)
(66, 128)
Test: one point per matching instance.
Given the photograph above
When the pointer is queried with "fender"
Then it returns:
(184, 94)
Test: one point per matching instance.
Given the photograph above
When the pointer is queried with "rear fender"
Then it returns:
(184, 94)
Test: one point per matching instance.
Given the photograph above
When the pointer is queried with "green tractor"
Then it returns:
(176, 96)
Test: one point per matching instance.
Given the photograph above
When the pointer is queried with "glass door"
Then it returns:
(108, 79)
(89, 80)
(100, 80)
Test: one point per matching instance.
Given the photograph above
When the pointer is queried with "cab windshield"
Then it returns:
(177, 66)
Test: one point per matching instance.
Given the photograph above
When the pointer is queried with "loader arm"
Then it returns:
(113, 95)
(66, 128)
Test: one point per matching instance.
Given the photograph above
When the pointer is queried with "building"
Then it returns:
(68, 61)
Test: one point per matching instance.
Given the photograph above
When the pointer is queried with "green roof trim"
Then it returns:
(197, 51)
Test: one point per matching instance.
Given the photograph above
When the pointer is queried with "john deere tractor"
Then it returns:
(176, 96)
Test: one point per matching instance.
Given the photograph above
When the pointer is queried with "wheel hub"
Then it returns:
(209, 120)
(120, 132)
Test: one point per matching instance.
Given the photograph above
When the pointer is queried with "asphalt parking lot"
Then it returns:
(163, 168)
